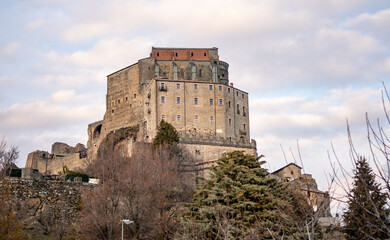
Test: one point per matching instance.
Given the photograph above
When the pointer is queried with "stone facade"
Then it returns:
(187, 87)
(306, 184)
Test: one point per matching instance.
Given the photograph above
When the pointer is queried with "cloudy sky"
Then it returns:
(308, 66)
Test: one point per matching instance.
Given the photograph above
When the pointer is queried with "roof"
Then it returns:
(285, 167)
(173, 48)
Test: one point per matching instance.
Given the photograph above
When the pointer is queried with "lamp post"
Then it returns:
(127, 222)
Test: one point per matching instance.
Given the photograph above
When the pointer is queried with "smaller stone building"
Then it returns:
(292, 174)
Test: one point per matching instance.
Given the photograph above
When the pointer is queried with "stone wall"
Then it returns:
(48, 200)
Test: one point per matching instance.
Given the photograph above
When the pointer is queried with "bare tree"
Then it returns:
(8, 157)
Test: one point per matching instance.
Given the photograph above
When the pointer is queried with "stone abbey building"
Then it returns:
(187, 87)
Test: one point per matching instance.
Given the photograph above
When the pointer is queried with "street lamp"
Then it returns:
(127, 222)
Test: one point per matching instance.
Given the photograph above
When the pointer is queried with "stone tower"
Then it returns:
(187, 87)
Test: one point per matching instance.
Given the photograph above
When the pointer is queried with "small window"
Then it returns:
(158, 54)
(197, 152)
(238, 109)
(194, 130)
(163, 117)
(205, 54)
(162, 99)
(112, 111)
(135, 95)
(178, 117)
(243, 96)
(176, 54)
(119, 101)
(220, 102)
(210, 87)
(229, 103)
(211, 119)
(130, 105)
(200, 72)
(223, 75)
(237, 94)
(211, 102)
(220, 88)
(196, 118)
(162, 85)
(126, 99)
(228, 90)
(178, 100)
(230, 121)
(196, 101)
(182, 72)
(244, 126)
(192, 54)
(178, 86)
(195, 86)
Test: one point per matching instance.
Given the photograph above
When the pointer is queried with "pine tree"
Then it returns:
(240, 200)
(166, 134)
(367, 216)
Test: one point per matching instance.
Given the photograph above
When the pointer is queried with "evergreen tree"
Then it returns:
(166, 134)
(367, 216)
(241, 200)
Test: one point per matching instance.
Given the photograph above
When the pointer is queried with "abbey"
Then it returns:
(187, 87)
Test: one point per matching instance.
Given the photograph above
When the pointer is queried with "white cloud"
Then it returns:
(31, 26)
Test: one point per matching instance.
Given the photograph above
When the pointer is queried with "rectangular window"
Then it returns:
(162, 99)
(211, 119)
(178, 100)
(210, 87)
(163, 117)
(211, 102)
(196, 118)
(228, 90)
(178, 118)
(243, 96)
(126, 99)
(197, 152)
(238, 109)
(220, 102)
(220, 88)
(200, 72)
(195, 86)
(230, 122)
(237, 94)
(244, 126)
(162, 85)
(229, 103)
(119, 101)
(196, 101)
(178, 86)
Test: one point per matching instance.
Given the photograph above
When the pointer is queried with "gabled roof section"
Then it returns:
(285, 167)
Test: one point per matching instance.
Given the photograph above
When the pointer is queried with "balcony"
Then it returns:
(163, 89)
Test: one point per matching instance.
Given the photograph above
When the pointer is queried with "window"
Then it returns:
(244, 126)
(162, 85)
(112, 103)
(112, 111)
(237, 94)
(220, 102)
(211, 102)
(163, 117)
(211, 119)
(135, 95)
(182, 73)
(210, 87)
(230, 121)
(162, 99)
(195, 86)
(243, 111)
(196, 101)
(119, 101)
(243, 96)
(192, 54)
(200, 72)
(238, 109)
(178, 117)
(126, 99)
(204, 54)
(196, 118)
(176, 54)
(228, 90)
(158, 54)
(220, 88)
(178, 100)
(197, 152)
(178, 86)
(229, 103)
